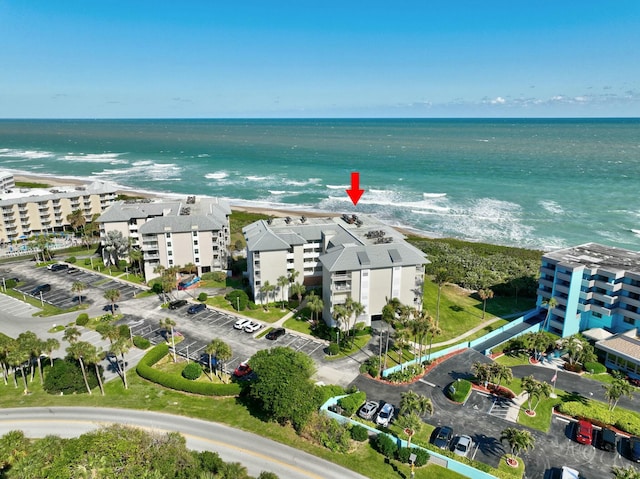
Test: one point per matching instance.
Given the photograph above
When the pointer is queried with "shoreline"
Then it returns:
(54, 181)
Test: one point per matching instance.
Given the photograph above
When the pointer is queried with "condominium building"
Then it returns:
(26, 212)
(173, 233)
(352, 257)
(7, 182)
(594, 286)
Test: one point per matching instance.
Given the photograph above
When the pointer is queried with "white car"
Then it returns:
(463, 446)
(241, 323)
(252, 327)
(385, 415)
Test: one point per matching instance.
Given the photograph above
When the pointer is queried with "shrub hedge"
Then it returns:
(141, 342)
(173, 381)
(599, 414)
(359, 433)
(202, 297)
(192, 371)
(422, 456)
(385, 445)
(82, 319)
(352, 402)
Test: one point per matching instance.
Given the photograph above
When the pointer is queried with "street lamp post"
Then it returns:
(41, 300)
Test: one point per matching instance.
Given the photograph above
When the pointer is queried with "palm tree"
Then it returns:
(433, 330)
(544, 391)
(49, 346)
(115, 247)
(77, 351)
(6, 345)
(293, 274)
(614, 391)
(135, 257)
(550, 304)
(353, 309)
(223, 354)
(76, 220)
(17, 358)
(410, 424)
(400, 341)
(93, 355)
(315, 305)
(112, 295)
(167, 325)
(484, 295)
(233, 470)
(283, 282)
(441, 278)
(388, 317)
(78, 287)
(532, 387)
(212, 351)
(482, 371)
(122, 346)
(265, 291)
(413, 403)
(298, 289)
(518, 440)
(501, 373)
(340, 315)
(108, 331)
(421, 327)
(539, 341)
(71, 334)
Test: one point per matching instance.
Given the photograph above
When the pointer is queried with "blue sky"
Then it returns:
(215, 59)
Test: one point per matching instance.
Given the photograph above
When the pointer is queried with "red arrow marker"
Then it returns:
(355, 192)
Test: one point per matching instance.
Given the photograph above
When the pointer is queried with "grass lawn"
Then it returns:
(299, 322)
(544, 411)
(460, 312)
(147, 396)
(511, 360)
(513, 471)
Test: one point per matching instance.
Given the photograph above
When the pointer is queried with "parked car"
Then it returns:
(177, 304)
(196, 308)
(634, 443)
(205, 358)
(41, 288)
(385, 415)
(57, 267)
(584, 432)
(241, 323)
(275, 333)
(252, 327)
(569, 473)
(443, 438)
(368, 410)
(73, 270)
(463, 446)
(242, 370)
(608, 440)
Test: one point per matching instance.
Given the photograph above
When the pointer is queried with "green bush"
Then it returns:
(177, 382)
(371, 366)
(82, 319)
(192, 371)
(359, 433)
(385, 445)
(352, 402)
(10, 283)
(403, 454)
(71, 259)
(422, 457)
(599, 414)
(595, 368)
(328, 391)
(66, 377)
(333, 349)
(122, 264)
(329, 433)
(87, 261)
(238, 299)
(202, 297)
(253, 306)
(406, 375)
(141, 342)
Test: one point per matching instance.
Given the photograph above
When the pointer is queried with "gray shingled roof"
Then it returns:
(260, 238)
(123, 211)
(357, 257)
(180, 224)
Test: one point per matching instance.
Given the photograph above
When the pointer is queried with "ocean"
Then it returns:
(533, 183)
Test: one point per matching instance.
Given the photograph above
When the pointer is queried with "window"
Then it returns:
(629, 320)
(196, 251)
(197, 259)
(170, 262)
(168, 244)
(168, 235)
(195, 233)
(195, 242)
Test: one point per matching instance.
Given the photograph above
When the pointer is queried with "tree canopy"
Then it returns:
(282, 387)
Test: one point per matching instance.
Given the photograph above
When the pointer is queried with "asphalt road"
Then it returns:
(253, 451)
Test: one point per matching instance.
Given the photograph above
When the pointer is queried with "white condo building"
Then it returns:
(173, 232)
(352, 257)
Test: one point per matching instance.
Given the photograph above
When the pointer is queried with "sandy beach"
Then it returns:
(54, 181)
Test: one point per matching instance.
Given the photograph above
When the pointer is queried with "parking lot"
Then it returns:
(60, 294)
(483, 419)
(199, 329)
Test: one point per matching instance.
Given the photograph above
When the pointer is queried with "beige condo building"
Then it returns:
(27, 212)
(352, 257)
(173, 232)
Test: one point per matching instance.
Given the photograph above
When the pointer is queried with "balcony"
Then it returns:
(586, 296)
(562, 289)
(563, 276)
(151, 256)
(608, 286)
(605, 298)
(341, 287)
(340, 277)
(631, 288)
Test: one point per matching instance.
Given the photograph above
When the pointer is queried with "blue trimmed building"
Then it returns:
(595, 286)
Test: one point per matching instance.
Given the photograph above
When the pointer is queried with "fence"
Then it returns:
(440, 459)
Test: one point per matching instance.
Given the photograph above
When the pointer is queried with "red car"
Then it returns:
(242, 370)
(584, 433)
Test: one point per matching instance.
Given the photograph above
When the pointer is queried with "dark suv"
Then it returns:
(41, 288)
(58, 267)
(608, 440)
(177, 304)
(196, 308)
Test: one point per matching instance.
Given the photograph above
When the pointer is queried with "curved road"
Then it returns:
(255, 452)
